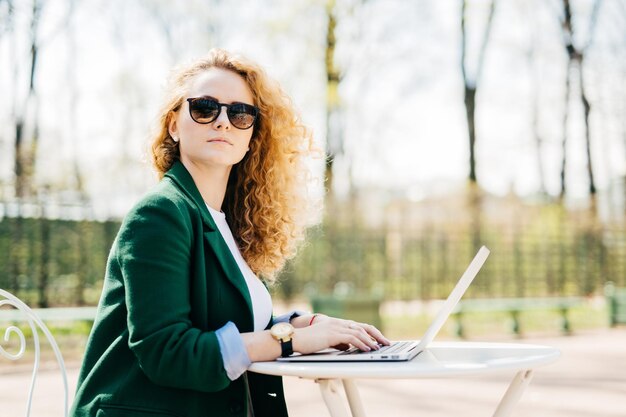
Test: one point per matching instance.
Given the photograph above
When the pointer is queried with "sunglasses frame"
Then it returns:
(228, 107)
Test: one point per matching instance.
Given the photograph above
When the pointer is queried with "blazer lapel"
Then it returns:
(233, 273)
(183, 179)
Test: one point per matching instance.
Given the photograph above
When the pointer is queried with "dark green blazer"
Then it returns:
(170, 283)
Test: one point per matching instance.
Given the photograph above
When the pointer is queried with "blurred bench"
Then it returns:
(514, 307)
(616, 302)
(53, 314)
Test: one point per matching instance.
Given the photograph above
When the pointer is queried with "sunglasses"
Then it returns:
(205, 110)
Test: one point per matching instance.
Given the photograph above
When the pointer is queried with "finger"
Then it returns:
(355, 336)
(376, 334)
(364, 337)
(360, 344)
(356, 330)
(369, 339)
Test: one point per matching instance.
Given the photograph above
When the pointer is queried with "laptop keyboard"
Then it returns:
(392, 348)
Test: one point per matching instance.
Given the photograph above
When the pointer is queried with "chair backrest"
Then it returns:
(35, 324)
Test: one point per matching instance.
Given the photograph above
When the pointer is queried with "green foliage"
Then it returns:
(75, 263)
(541, 251)
(537, 251)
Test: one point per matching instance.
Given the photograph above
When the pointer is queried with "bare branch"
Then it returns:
(7, 22)
(486, 36)
(593, 23)
(463, 41)
(61, 26)
(470, 86)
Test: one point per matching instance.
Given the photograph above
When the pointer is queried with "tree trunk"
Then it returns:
(564, 139)
(16, 254)
(333, 131)
(538, 147)
(82, 270)
(538, 140)
(470, 108)
(82, 267)
(575, 59)
(19, 162)
(26, 118)
(471, 87)
(333, 145)
(474, 194)
(587, 111)
(44, 264)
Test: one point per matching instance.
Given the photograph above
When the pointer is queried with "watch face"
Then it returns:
(282, 330)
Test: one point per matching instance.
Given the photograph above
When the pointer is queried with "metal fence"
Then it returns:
(572, 256)
(48, 262)
(61, 262)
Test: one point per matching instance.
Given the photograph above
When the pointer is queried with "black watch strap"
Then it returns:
(286, 348)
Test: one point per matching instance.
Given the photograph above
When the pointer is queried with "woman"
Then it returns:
(183, 311)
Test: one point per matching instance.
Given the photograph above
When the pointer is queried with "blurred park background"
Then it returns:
(446, 125)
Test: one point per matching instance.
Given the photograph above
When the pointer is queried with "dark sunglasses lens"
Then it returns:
(242, 116)
(203, 110)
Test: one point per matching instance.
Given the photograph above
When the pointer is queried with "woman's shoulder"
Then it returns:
(162, 214)
(164, 192)
(164, 199)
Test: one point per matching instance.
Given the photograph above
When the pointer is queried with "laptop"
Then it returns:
(402, 350)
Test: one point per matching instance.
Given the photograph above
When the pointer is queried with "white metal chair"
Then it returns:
(36, 324)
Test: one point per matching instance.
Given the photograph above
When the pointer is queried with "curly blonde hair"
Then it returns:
(266, 195)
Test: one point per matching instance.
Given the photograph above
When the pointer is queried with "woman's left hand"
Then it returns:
(317, 332)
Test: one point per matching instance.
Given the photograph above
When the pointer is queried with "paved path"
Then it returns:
(588, 381)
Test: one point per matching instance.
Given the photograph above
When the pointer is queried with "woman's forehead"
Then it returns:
(224, 85)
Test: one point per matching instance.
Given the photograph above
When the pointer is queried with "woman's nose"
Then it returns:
(222, 121)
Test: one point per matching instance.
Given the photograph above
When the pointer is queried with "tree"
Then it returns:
(470, 90)
(26, 116)
(538, 139)
(26, 107)
(575, 59)
(334, 133)
(471, 83)
(25, 127)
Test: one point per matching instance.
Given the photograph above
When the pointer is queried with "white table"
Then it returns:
(441, 359)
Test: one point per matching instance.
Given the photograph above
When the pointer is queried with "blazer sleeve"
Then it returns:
(154, 257)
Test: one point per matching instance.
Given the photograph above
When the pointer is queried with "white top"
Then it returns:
(261, 299)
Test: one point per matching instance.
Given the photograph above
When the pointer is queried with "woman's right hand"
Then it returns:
(337, 333)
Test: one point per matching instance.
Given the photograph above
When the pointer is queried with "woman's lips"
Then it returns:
(219, 140)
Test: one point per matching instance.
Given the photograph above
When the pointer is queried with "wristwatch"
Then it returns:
(283, 332)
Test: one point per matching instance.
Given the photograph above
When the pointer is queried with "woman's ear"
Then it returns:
(172, 126)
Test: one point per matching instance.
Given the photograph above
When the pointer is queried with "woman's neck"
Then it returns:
(210, 180)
